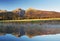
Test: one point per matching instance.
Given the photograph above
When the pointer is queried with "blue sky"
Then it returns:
(53, 5)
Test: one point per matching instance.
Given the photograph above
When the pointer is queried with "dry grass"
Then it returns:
(25, 20)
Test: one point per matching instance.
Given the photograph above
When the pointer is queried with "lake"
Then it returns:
(30, 31)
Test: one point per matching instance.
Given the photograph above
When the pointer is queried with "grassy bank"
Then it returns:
(28, 20)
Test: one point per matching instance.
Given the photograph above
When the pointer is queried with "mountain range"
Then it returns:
(30, 13)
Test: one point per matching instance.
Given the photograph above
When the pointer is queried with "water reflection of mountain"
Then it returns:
(30, 28)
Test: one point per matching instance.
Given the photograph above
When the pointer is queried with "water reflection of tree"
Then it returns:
(9, 29)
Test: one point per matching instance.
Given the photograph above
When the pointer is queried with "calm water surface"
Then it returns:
(9, 37)
(41, 31)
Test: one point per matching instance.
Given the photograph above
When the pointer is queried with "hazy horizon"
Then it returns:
(51, 5)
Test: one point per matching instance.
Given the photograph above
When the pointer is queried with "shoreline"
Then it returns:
(28, 20)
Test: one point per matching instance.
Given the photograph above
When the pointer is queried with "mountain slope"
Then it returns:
(30, 13)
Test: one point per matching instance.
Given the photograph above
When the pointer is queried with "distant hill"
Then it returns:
(27, 14)
(37, 14)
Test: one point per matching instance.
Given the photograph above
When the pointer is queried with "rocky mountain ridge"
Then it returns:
(27, 14)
